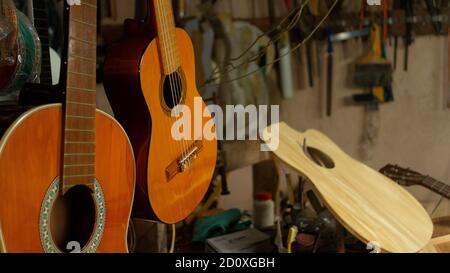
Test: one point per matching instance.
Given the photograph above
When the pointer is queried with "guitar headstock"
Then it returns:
(402, 176)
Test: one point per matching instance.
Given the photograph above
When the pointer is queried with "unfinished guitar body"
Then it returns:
(369, 205)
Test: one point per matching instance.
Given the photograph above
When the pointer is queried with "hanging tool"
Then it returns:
(314, 7)
(385, 20)
(329, 72)
(284, 52)
(397, 5)
(374, 71)
(434, 11)
(408, 5)
(447, 73)
(304, 28)
(395, 50)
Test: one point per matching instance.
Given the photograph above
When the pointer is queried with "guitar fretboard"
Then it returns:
(168, 43)
(437, 186)
(79, 139)
(40, 15)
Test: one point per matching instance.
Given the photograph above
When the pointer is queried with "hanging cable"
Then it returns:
(210, 81)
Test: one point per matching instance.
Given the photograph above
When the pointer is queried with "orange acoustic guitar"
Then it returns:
(67, 172)
(147, 75)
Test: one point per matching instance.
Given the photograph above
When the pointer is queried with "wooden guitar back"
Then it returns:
(30, 160)
(369, 205)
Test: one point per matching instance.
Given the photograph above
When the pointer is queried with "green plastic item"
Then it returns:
(220, 224)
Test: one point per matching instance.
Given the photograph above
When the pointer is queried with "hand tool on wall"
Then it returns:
(314, 7)
(304, 28)
(434, 12)
(329, 83)
(447, 84)
(374, 71)
(410, 20)
(284, 52)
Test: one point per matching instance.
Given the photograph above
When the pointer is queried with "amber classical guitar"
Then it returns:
(146, 75)
(67, 172)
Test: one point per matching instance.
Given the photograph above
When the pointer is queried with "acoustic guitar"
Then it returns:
(147, 75)
(67, 171)
(368, 204)
(407, 178)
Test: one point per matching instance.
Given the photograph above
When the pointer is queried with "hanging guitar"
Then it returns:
(67, 172)
(147, 75)
(407, 178)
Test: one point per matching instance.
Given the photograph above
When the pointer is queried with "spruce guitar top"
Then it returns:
(369, 205)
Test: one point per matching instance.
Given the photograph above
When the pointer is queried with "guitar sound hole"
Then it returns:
(172, 90)
(319, 157)
(73, 218)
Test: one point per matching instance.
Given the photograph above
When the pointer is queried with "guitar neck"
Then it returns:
(40, 15)
(167, 40)
(80, 106)
(437, 186)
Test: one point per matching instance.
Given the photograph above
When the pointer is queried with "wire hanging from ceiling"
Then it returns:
(298, 12)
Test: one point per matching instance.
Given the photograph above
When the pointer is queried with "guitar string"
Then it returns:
(178, 80)
(173, 145)
(168, 8)
(168, 60)
(165, 40)
(178, 95)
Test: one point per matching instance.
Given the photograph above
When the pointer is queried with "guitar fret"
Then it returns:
(82, 40)
(83, 58)
(84, 23)
(79, 130)
(80, 142)
(82, 103)
(78, 175)
(82, 89)
(81, 74)
(79, 154)
(78, 165)
(89, 5)
(79, 117)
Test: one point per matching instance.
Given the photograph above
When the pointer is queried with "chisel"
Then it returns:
(329, 72)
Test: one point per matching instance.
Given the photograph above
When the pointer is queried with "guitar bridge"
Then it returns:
(184, 162)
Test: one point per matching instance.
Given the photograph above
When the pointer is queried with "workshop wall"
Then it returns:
(412, 131)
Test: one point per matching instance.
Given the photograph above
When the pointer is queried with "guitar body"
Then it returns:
(123, 89)
(174, 200)
(30, 163)
(133, 80)
(368, 204)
